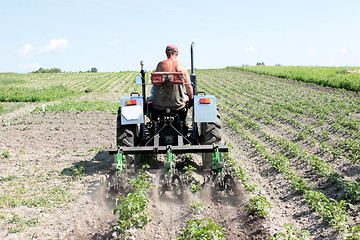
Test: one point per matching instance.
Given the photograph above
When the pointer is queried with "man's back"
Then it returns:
(172, 97)
(168, 65)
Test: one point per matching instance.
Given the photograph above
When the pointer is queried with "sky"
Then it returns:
(115, 35)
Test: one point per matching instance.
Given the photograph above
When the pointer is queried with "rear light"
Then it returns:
(130, 102)
(204, 100)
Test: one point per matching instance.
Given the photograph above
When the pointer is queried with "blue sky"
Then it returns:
(76, 35)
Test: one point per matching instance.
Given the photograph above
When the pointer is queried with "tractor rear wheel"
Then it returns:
(125, 134)
(210, 134)
(126, 137)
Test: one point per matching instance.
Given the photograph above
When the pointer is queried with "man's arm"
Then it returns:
(189, 88)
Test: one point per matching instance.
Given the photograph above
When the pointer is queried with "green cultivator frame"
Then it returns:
(171, 177)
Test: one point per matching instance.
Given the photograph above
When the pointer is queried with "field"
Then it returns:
(295, 147)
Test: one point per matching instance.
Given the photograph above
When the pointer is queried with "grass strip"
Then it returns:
(81, 106)
(22, 94)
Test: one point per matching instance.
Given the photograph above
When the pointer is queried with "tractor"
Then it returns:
(142, 130)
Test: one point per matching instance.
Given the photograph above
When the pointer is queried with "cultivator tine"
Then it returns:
(171, 180)
(120, 162)
(218, 164)
(117, 180)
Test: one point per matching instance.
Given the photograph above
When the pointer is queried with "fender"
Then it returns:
(205, 108)
(132, 110)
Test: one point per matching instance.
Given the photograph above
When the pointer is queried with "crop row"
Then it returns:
(330, 210)
(325, 76)
(133, 212)
(351, 188)
(279, 112)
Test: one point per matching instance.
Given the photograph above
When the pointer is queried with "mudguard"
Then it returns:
(132, 110)
(205, 108)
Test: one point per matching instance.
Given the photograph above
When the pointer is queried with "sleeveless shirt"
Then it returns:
(170, 96)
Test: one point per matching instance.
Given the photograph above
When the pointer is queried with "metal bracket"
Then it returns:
(169, 160)
(120, 161)
(218, 163)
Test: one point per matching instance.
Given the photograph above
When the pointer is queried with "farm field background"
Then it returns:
(296, 146)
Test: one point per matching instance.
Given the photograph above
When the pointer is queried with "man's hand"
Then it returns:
(190, 103)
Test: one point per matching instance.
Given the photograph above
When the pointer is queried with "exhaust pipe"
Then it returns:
(193, 75)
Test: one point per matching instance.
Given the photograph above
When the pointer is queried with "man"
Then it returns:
(170, 96)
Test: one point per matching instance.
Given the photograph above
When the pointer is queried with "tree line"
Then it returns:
(58, 70)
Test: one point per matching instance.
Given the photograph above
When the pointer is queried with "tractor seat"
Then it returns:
(167, 78)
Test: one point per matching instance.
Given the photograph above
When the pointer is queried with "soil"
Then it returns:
(55, 142)
(52, 144)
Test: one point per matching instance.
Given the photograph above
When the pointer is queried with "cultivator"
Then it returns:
(143, 130)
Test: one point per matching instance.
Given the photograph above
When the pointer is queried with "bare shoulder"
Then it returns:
(180, 67)
(161, 65)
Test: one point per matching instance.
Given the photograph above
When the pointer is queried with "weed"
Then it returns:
(291, 234)
(8, 178)
(6, 154)
(22, 94)
(2, 216)
(81, 106)
(76, 171)
(18, 224)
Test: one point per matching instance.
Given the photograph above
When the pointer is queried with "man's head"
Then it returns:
(171, 49)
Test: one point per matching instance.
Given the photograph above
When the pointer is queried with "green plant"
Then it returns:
(331, 211)
(132, 209)
(82, 106)
(195, 207)
(201, 229)
(258, 205)
(353, 233)
(195, 185)
(17, 224)
(76, 171)
(291, 234)
(22, 94)
(2, 216)
(6, 154)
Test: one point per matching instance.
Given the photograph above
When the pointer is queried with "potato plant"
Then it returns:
(133, 208)
(204, 228)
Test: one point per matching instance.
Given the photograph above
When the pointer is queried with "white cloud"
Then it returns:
(312, 51)
(113, 42)
(26, 50)
(343, 49)
(55, 45)
(130, 47)
(250, 49)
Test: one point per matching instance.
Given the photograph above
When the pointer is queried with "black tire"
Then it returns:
(125, 134)
(210, 134)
